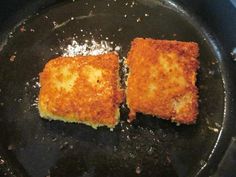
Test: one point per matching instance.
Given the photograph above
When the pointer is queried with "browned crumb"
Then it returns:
(83, 89)
(12, 58)
(162, 78)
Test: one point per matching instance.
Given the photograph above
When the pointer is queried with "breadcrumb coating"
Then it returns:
(161, 80)
(82, 89)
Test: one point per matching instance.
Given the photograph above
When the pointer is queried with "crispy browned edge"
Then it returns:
(118, 97)
(188, 118)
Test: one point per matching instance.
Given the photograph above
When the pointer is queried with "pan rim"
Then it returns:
(223, 138)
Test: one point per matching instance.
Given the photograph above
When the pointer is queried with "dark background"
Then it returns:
(220, 18)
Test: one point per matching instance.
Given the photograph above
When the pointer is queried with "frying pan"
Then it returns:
(33, 32)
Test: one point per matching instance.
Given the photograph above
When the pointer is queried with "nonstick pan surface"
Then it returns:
(149, 146)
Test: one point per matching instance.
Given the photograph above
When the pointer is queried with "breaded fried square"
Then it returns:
(161, 80)
(82, 89)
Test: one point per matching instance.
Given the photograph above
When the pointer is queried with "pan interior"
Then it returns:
(147, 147)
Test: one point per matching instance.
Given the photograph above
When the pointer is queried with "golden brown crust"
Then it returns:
(162, 79)
(81, 89)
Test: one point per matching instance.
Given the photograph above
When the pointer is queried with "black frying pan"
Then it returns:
(149, 146)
